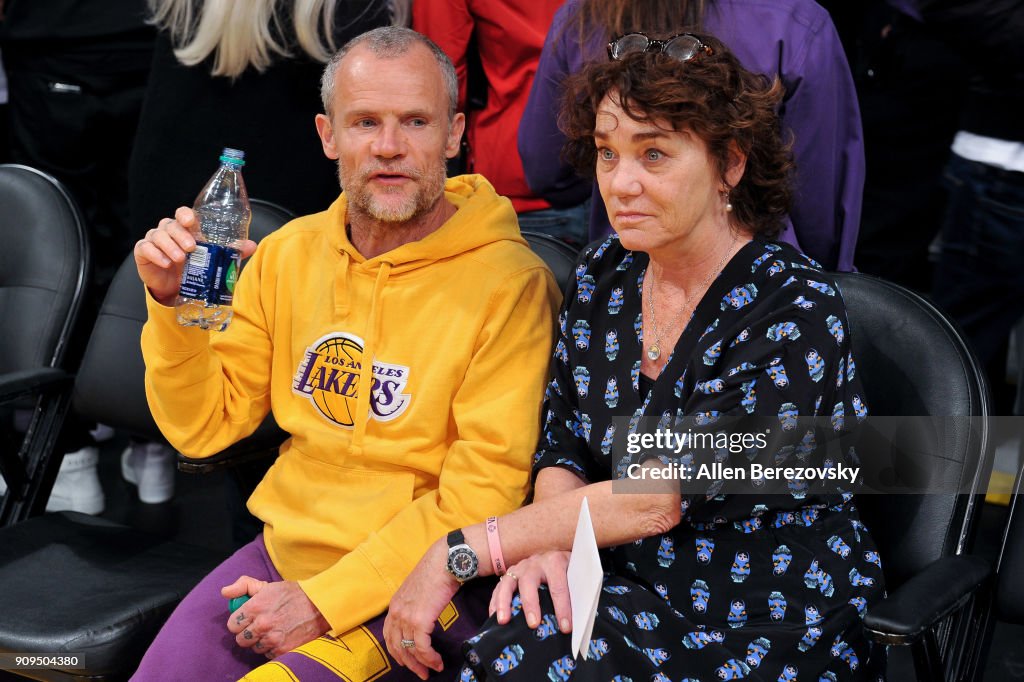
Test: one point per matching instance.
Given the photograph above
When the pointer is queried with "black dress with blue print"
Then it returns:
(747, 586)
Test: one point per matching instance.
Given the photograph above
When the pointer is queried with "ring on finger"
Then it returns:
(408, 644)
(510, 574)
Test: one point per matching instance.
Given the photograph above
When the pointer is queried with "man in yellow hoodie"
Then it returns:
(401, 337)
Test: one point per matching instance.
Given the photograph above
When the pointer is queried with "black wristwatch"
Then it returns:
(462, 561)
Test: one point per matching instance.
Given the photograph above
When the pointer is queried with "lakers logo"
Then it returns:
(328, 375)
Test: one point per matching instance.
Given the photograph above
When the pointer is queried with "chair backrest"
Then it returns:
(914, 363)
(267, 217)
(44, 263)
(110, 386)
(558, 255)
(44, 266)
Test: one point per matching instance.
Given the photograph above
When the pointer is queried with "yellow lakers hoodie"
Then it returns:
(410, 383)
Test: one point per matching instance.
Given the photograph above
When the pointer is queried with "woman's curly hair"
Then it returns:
(711, 95)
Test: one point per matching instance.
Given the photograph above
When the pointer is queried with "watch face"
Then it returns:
(462, 563)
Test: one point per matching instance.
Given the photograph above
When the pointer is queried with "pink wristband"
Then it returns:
(494, 545)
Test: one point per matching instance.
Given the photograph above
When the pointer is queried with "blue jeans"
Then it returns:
(979, 280)
(567, 224)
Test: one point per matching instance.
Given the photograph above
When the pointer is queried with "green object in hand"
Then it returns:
(235, 603)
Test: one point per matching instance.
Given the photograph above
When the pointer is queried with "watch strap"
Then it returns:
(456, 537)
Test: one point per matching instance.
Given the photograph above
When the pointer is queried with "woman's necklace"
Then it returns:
(654, 350)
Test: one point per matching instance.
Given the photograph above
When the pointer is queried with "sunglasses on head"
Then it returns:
(682, 46)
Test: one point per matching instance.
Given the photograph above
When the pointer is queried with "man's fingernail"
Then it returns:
(502, 617)
(565, 625)
(531, 620)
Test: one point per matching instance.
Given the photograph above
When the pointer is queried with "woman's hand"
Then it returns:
(528, 575)
(415, 608)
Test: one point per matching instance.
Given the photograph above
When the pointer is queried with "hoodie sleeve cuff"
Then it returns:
(354, 590)
(163, 328)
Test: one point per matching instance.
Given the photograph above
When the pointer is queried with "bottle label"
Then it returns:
(210, 274)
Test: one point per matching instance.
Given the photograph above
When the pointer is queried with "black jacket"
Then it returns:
(990, 36)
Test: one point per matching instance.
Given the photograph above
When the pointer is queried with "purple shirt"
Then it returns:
(792, 38)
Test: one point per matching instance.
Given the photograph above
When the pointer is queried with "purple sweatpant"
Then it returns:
(195, 644)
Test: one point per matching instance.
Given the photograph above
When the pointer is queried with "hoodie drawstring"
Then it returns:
(363, 416)
(342, 290)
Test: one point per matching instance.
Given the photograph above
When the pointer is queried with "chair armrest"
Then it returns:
(266, 438)
(924, 600)
(28, 382)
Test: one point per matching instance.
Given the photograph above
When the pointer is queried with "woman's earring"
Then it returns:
(728, 204)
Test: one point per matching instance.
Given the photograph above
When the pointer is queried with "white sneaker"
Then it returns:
(77, 487)
(150, 466)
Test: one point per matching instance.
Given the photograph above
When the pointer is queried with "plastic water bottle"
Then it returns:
(223, 215)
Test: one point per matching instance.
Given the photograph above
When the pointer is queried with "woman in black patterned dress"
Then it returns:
(691, 317)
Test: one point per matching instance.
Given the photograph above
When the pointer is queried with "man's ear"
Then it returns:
(735, 164)
(455, 130)
(325, 130)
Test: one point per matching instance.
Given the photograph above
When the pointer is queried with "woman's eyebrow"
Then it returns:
(637, 137)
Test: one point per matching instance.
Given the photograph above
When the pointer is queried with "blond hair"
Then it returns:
(244, 33)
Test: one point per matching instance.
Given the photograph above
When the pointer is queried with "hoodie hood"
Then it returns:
(482, 217)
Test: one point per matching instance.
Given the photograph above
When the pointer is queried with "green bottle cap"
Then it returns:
(235, 157)
(235, 603)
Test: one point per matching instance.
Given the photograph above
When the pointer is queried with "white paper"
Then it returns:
(584, 575)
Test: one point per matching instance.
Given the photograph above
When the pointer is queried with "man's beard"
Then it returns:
(429, 189)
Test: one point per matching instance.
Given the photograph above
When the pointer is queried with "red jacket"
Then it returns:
(509, 36)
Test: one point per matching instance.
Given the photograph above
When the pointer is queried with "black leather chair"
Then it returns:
(44, 263)
(558, 255)
(915, 364)
(71, 583)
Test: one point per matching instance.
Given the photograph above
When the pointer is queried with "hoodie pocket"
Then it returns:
(318, 512)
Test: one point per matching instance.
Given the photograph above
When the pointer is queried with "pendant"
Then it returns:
(653, 352)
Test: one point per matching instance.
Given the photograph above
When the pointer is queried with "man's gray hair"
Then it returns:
(388, 42)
